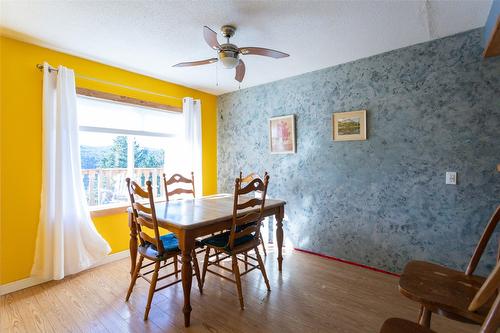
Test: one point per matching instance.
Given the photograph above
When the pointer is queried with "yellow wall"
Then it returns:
(20, 144)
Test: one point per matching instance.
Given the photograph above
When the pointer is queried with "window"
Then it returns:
(123, 140)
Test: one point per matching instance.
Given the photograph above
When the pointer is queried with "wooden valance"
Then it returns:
(126, 99)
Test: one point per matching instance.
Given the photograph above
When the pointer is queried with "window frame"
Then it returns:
(119, 208)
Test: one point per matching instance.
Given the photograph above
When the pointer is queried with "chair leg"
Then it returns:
(236, 271)
(197, 271)
(420, 313)
(134, 278)
(262, 268)
(425, 317)
(216, 252)
(246, 261)
(263, 245)
(152, 288)
(205, 266)
(176, 267)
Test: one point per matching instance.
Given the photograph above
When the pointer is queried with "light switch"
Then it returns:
(451, 178)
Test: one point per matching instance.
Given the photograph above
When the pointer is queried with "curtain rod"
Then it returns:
(52, 69)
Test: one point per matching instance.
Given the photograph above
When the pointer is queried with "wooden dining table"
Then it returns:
(193, 218)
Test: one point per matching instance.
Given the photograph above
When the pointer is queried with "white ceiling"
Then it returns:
(148, 37)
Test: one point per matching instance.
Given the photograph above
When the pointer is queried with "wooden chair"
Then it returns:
(155, 248)
(246, 180)
(176, 179)
(243, 236)
(447, 291)
(488, 291)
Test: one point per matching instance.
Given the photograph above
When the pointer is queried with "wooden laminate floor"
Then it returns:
(312, 294)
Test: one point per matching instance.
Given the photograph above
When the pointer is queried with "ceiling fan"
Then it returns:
(229, 54)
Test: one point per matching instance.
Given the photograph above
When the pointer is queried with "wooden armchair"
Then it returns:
(447, 291)
(487, 294)
(156, 249)
(243, 236)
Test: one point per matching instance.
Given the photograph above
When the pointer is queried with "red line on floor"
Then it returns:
(347, 262)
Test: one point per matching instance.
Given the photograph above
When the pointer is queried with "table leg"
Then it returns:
(186, 244)
(279, 235)
(133, 243)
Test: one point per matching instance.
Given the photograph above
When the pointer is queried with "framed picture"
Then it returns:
(282, 135)
(349, 126)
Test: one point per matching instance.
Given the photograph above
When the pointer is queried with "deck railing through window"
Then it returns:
(107, 186)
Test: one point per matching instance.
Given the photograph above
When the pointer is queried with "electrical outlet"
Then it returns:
(451, 178)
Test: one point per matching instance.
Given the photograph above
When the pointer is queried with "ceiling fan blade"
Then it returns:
(211, 38)
(263, 52)
(240, 71)
(196, 63)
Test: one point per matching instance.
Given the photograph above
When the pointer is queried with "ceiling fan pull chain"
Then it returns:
(217, 74)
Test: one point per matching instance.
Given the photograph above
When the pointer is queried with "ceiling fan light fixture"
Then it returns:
(228, 60)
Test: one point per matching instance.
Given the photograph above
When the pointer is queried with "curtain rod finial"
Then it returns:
(51, 69)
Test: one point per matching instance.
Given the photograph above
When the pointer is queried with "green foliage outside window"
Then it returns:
(115, 156)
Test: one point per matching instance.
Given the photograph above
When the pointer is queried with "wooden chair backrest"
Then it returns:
(141, 221)
(176, 179)
(255, 185)
(248, 178)
(488, 290)
(483, 241)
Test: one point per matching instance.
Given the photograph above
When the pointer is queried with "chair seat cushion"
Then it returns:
(222, 240)
(170, 242)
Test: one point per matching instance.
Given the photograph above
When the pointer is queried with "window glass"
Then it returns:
(109, 114)
(108, 158)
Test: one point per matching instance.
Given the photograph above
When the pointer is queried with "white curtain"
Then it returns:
(191, 109)
(67, 241)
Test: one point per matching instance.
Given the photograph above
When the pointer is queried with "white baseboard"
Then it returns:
(20, 284)
(113, 257)
(33, 281)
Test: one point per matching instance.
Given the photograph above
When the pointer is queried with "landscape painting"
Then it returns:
(282, 135)
(349, 126)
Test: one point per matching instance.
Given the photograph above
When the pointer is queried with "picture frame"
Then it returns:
(282, 135)
(349, 126)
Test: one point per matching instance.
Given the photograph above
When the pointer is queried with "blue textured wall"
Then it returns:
(432, 108)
